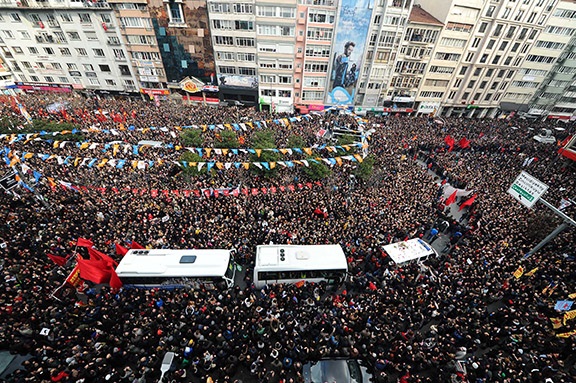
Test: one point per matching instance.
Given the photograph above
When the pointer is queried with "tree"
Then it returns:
(264, 140)
(365, 169)
(189, 169)
(228, 139)
(317, 170)
(192, 137)
(295, 141)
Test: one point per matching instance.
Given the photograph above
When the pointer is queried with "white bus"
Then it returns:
(195, 268)
(297, 263)
(408, 251)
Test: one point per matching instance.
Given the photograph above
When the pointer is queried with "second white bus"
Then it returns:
(196, 268)
(297, 263)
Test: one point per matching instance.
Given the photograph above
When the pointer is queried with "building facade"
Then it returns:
(67, 45)
(484, 44)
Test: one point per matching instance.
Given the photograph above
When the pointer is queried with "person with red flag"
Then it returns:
(136, 245)
(121, 250)
(82, 242)
(450, 200)
(468, 202)
(60, 261)
(448, 140)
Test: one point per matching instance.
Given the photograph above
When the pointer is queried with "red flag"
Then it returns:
(254, 191)
(136, 245)
(94, 271)
(82, 242)
(291, 187)
(99, 256)
(273, 189)
(186, 193)
(235, 192)
(468, 202)
(196, 192)
(464, 143)
(115, 281)
(154, 193)
(226, 192)
(448, 140)
(121, 250)
(451, 199)
(74, 278)
(216, 193)
(60, 261)
(264, 190)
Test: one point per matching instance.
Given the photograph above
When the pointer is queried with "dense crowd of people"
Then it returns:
(462, 316)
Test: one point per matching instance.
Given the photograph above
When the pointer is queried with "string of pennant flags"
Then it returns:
(11, 159)
(136, 149)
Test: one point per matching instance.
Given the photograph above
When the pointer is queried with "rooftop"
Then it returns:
(419, 15)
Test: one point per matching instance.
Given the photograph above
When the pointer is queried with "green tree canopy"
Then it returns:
(229, 140)
(192, 137)
(365, 169)
(316, 170)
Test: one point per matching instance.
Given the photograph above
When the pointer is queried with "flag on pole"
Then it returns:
(563, 305)
(468, 202)
(82, 242)
(60, 261)
(556, 323)
(448, 140)
(115, 281)
(74, 278)
(519, 272)
(564, 203)
(531, 272)
(136, 245)
(121, 250)
(569, 315)
(464, 143)
(94, 271)
(99, 256)
(450, 200)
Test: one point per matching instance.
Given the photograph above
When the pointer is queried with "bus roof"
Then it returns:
(406, 251)
(300, 257)
(174, 263)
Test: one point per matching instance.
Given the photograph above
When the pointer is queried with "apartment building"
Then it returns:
(66, 45)
(315, 29)
(483, 45)
(388, 23)
(555, 95)
(138, 38)
(412, 63)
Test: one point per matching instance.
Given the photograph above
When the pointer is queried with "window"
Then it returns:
(515, 47)
(219, 7)
(244, 25)
(85, 18)
(483, 84)
(476, 42)
(324, 34)
(98, 52)
(490, 44)
(508, 60)
(519, 15)
(73, 36)
(490, 11)
(267, 78)
(66, 18)
(506, 13)
(81, 52)
(314, 82)
(72, 66)
(312, 95)
(501, 73)
(247, 71)
(88, 67)
(441, 69)
(285, 79)
(18, 50)
(312, 66)
(496, 59)
(540, 59)
(459, 27)
(104, 67)
(317, 51)
(49, 51)
(451, 42)
(469, 56)
(226, 56)
(503, 45)
(498, 29)
(447, 56)
(246, 57)
(222, 24)
(429, 94)
(489, 72)
(15, 17)
(243, 8)
(483, 28)
(322, 16)
(244, 42)
(227, 70)
(511, 31)
(477, 72)
(463, 70)
(65, 51)
(7, 34)
(175, 12)
(33, 50)
(224, 40)
(471, 84)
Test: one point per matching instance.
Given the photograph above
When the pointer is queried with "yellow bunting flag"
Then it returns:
(272, 165)
(145, 130)
(77, 161)
(246, 165)
(17, 178)
(103, 162)
(14, 161)
(228, 126)
(143, 147)
(178, 127)
(569, 315)
(250, 125)
(177, 147)
(566, 334)
(519, 272)
(84, 145)
(258, 152)
(208, 151)
(28, 155)
(358, 158)
(115, 149)
(283, 151)
(556, 323)
(204, 128)
(338, 160)
(224, 151)
(51, 181)
(307, 151)
(220, 165)
(531, 272)
(297, 162)
(134, 164)
(56, 144)
(572, 296)
(159, 161)
(346, 147)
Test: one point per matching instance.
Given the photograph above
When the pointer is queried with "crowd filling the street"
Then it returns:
(481, 310)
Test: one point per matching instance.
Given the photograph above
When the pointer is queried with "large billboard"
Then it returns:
(351, 35)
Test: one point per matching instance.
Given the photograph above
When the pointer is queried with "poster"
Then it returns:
(351, 31)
